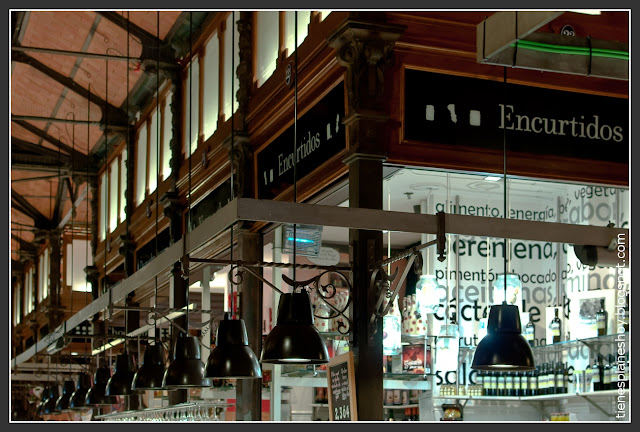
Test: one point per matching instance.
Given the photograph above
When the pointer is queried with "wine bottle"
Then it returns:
(530, 332)
(601, 319)
(517, 384)
(614, 373)
(556, 327)
(494, 383)
(525, 380)
(533, 383)
(558, 378)
(502, 384)
(596, 377)
(508, 384)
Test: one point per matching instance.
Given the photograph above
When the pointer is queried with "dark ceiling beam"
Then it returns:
(57, 209)
(17, 26)
(151, 44)
(115, 115)
(25, 246)
(32, 162)
(22, 205)
(20, 145)
(77, 156)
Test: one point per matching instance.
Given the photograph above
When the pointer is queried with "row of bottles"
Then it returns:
(548, 378)
(606, 374)
(400, 397)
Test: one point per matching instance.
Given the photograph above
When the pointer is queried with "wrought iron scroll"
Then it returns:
(325, 292)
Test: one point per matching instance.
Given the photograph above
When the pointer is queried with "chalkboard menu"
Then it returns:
(342, 388)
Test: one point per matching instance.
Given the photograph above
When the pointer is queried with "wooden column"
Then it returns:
(364, 46)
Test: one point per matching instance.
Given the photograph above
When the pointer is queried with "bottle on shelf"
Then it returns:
(502, 390)
(517, 384)
(615, 377)
(596, 377)
(525, 387)
(556, 327)
(565, 378)
(405, 397)
(601, 319)
(606, 375)
(558, 378)
(533, 383)
(542, 377)
(494, 383)
(391, 415)
(388, 398)
(530, 332)
(508, 384)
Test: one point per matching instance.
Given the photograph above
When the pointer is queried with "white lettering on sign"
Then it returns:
(577, 128)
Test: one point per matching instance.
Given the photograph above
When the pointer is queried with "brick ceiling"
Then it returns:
(47, 86)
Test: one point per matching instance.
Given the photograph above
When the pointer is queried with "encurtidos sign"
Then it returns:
(320, 135)
(474, 112)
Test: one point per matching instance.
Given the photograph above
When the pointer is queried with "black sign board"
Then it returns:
(474, 112)
(320, 135)
(342, 388)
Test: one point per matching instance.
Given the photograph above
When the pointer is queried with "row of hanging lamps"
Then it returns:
(294, 339)
(504, 348)
(232, 357)
(187, 370)
(151, 372)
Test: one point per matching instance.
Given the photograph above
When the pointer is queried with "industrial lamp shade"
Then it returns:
(151, 373)
(186, 370)
(120, 381)
(78, 397)
(232, 357)
(49, 406)
(96, 396)
(62, 404)
(503, 348)
(294, 339)
(46, 394)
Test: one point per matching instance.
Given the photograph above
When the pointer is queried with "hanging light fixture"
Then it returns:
(294, 339)
(49, 406)
(504, 348)
(78, 397)
(120, 382)
(232, 356)
(62, 404)
(96, 396)
(151, 373)
(186, 370)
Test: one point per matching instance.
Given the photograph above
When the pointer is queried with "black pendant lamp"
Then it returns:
(186, 370)
(49, 406)
(294, 339)
(78, 397)
(232, 357)
(45, 396)
(120, 382)
(96, 396)
(151, 373)
(504, 349)
(62, 404)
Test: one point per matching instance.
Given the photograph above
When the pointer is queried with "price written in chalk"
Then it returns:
(341, 413)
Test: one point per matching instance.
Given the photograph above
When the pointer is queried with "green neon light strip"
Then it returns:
(573, 50)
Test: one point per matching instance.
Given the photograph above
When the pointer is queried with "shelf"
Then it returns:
(324, 405)
(590, 342)
(602, 393)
